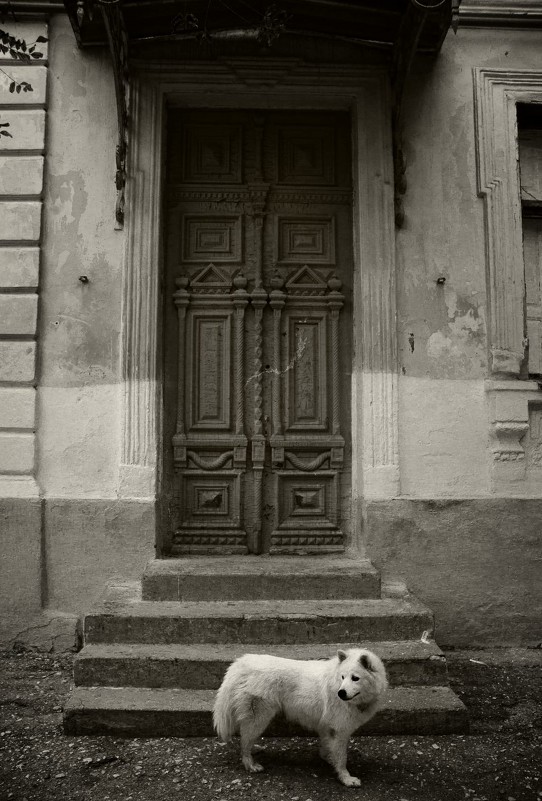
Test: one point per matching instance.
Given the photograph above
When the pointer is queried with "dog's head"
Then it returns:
(363, 676)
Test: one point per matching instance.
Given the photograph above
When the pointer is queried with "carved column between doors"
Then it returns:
(257, 201)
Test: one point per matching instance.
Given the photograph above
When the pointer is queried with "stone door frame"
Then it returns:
(269, 84)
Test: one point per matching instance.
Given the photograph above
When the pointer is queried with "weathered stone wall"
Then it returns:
(21, 187)
(476, 563)
(59, 359)
(21, 191)
(442, 327)
(471, 555)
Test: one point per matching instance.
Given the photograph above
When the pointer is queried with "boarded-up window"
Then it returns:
(530, 162)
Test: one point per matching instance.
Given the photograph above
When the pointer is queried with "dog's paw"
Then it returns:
(252, 767)
(255, 767)
(350, 781)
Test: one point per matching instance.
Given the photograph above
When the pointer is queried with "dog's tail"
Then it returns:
(223, 713)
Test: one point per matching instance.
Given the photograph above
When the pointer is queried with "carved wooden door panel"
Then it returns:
(257, 333)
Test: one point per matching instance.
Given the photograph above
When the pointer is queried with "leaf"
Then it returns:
(42, 39)
(6, 133)
(36, 55)
(18, 89)
(12, 86)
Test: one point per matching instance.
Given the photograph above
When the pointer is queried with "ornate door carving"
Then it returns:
(258, 332)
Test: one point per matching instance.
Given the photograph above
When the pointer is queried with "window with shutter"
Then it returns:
(530, 165)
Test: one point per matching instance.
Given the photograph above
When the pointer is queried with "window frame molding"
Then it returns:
(509, 396)
(496, 95)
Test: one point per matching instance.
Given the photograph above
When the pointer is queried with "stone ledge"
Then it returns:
(27, 129)
(17, 407)
(18, 314)
(21, 175)
(17, 361)
(20, 221)
(19, 267)
(17, 452)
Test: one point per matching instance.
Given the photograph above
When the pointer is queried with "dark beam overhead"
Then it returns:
(376, 23)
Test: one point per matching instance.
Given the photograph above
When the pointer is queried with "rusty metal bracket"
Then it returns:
(412, 24)
(83, 13)
(403, 57)
(118, 47)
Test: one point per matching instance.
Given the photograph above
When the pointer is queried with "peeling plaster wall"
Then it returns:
(80, 322)
(475, 559)
(441, 266)
(89, 534)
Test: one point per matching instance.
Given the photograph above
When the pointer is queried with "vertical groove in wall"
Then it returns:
(140, 299)
(378, 303)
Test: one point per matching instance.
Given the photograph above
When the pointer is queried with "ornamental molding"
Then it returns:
(509, 405)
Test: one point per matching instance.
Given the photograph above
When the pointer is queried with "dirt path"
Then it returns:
(500, 761)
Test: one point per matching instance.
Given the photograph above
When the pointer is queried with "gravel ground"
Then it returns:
(501, 760)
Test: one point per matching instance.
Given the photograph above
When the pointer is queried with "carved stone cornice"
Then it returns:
(508, 403)
(180, 193)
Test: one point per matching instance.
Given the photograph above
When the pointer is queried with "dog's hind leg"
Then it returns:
(252, 727)
(333, 748)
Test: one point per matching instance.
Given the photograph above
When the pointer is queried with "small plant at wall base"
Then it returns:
(18, 50)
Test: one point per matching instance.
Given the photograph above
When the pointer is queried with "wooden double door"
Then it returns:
(258, 329)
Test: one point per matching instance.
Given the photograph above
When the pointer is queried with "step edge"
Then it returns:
(418, 649)
(272, 608)
(181, 567)
(78, 695)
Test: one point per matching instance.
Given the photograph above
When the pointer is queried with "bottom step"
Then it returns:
(142, 712)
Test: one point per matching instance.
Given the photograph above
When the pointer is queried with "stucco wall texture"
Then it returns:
(442, 327)
(470, 555)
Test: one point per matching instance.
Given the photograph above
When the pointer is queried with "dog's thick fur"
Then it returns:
(332, 697)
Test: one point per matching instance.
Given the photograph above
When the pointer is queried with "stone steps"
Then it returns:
(259, 578)
(202, 666)
(144, 712)
(156, 651)
(268, 621)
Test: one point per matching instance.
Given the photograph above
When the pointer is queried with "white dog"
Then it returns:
(332, 697)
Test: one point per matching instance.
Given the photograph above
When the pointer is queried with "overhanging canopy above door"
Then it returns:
(398, 28)
(377, 22)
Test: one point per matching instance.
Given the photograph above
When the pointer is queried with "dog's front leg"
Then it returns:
(334, 749)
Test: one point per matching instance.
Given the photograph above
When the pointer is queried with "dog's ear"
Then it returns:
(341, 655)
(365, 661)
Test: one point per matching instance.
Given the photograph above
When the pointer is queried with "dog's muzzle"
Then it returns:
(342, 695)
